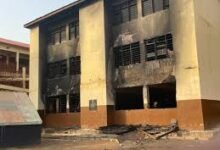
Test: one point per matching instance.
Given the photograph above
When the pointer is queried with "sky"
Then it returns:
(15, 13)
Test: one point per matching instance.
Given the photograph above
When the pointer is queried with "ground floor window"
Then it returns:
(162, 95)
(74, 102)
(56, 104)
(129, 98)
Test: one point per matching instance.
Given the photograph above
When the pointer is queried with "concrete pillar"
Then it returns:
(182, 17)
(17, 60)
(145, 96)
(23, 77)
(7, 60)
(36, 64)
(93, 65)
(67, 103)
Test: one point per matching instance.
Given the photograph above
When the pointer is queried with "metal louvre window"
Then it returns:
(74, 29)
(57, 69)
(75, 65)
(151, 6)
(125, 12)
(157, 48)
(57, 36)
(127, 54)
(74, 103)
(147, 7)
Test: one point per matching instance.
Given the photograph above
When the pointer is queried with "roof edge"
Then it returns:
(14, 43)
(53, 13)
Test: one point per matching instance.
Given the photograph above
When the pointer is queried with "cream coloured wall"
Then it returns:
(182, 19)
(35, 71)
(207, 15)
(93, 54)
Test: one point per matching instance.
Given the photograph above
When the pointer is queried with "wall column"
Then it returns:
(93, 86)
(36, 69)
(145, 96)
(182, 16)
(17, 60)
(7, 60)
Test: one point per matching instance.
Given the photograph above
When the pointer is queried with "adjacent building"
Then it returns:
(14, 58)
(101, 62)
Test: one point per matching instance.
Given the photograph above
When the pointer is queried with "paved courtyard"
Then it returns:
(70, 144)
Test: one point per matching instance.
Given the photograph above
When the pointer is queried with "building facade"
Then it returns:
(99, 62)
(14, 63)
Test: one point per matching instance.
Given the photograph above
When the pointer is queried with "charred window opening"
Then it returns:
(74, 29)
(74, 103)
(152, 6)
(125, 12)
(158, 47)
(57, 36)
(129, 98)
(75, 65)
(57, 69)
(127, 54)
(162, 95)
(56, 104)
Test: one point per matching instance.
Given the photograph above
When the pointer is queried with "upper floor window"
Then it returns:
(74, 29)
(127, 54)
(157, 48)
(124, 12)
(75, 65)
(57, 36)
(57, 69)
(151, 6)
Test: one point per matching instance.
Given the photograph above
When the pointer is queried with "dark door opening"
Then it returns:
(129, 98)
(162, 95)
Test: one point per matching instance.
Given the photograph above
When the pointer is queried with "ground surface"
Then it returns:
(130, 141)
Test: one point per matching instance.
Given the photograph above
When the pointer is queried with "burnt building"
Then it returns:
(101, 62)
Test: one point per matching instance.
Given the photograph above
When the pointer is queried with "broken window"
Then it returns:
(74, 103)
(151, 6)
(129, 98)
(127, 54)
(56, 104)
(74, 29)
(57, 36)
(157, 48)
(63, 34)
(75, 65)
(162, 95)
(125, 11)
(57, 69)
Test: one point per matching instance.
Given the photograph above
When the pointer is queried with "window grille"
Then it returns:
(157, 48)
(125, 12)
(127, 54)
(152, 6)
(75, 65)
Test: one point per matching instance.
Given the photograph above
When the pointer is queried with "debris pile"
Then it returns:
(157, 132)
(149, 131)
(117, 129)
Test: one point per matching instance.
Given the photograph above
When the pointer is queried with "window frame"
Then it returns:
(75, 33)
(57, 69)
(165, 6)
(60, 32)
(124, 6)
(75, 62)
(125, 54)
(158, 48)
